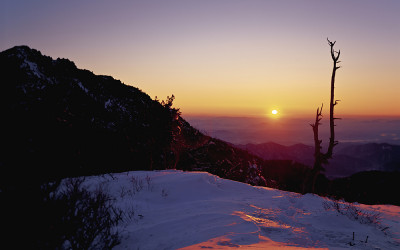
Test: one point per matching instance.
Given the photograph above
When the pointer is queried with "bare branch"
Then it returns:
(330, 43)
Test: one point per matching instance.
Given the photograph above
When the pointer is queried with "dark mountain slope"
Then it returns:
(66, 121)
(369, 187)
(273, 151)
(220, 158)
(58, 121)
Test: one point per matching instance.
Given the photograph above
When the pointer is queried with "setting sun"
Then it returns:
(274, 112)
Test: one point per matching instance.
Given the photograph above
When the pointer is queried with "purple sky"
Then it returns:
(225, 57)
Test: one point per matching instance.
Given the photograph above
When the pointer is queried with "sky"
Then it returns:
(226, 57)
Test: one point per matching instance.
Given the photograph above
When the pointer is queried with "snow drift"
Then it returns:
(195, 210)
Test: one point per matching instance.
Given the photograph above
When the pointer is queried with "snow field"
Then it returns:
(196, 210)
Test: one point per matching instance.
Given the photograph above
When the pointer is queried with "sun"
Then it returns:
(274, 112)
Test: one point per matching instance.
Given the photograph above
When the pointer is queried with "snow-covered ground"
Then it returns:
(197, 210)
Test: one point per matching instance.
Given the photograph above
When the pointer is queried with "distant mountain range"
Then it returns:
(347, 159)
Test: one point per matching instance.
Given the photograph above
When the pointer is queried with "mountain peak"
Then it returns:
(22, 52)
(31, 59)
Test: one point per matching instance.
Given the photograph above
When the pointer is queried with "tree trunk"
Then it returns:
(319, 157)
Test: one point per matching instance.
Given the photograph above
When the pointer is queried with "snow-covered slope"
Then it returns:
(197, 210)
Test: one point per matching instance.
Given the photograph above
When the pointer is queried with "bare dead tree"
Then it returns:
(321, 158)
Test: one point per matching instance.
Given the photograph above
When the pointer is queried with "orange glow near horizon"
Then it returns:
(226, 58)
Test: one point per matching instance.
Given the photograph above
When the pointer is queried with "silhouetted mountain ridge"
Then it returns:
(273, 151)
(63, 121)
(347, 160)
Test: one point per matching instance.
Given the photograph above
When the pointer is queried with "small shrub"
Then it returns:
(149, 182)
(164, 193)
(130, 214)
(123, 192)
(60, 216)
(90, 218)
(353, 212)
(137, 184)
